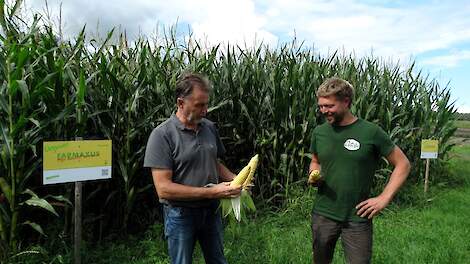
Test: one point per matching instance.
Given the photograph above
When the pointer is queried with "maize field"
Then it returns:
(263, 101)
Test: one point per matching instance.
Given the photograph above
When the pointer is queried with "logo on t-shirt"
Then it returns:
(352, 144)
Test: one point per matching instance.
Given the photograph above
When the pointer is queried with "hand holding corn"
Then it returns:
(243, 180)
(225, 190)
(314, 177)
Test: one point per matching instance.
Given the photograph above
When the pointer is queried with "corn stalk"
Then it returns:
(21, 122)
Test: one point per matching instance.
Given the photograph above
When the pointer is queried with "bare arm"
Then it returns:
(314, 165)
(399, 174)
(373, 206)
(169, 190)
(224, 173)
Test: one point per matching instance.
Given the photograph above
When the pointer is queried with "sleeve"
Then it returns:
(313, 141)
(158, 151)
(383, 142)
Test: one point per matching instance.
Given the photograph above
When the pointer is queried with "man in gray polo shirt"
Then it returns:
(183, 153)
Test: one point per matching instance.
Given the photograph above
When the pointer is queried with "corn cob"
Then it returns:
(253, 165)
(245, 176)
(243, 202)
(241, 177)
(314, 176)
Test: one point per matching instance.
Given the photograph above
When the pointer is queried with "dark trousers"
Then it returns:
(184, 226)
(355, 237)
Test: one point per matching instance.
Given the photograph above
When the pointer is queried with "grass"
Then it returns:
(462, 123)
(437, 233)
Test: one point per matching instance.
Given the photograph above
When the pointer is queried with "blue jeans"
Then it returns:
(184, 226)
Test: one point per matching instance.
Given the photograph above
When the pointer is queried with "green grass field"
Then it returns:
(462, 124)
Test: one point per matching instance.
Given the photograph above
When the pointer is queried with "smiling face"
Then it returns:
(333, 109)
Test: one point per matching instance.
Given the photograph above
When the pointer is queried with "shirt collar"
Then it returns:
(180, 124)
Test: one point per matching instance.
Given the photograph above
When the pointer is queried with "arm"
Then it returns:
(167, 189)
(314, 165)
(225, 174)
(373, 206)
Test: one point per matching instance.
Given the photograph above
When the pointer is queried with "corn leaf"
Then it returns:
(5, 188)
(39, 202)
(35, 226)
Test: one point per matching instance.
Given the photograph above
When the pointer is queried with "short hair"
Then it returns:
(338, 87)
(187, 82)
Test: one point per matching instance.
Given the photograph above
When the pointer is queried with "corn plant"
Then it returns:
(263, 101)
(22, 120)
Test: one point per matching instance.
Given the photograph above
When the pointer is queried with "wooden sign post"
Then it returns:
(429, 150)
(77, 161)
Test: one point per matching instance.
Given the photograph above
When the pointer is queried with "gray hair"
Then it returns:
(187, 82)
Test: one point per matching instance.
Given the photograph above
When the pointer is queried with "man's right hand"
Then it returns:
(224, 190)
(316, 183)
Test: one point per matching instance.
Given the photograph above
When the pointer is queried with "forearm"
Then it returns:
(225, 175)
(169, 190)
(314, 165)
(397, 178)
(180, 192)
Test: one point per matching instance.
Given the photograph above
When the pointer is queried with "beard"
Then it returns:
(192, 118)
(335, 118)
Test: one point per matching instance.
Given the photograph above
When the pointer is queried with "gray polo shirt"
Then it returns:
(191, 155)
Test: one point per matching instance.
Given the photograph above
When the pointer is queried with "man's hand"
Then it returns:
(316, 183)
(315, 178)
(372, 206)
(224, 190)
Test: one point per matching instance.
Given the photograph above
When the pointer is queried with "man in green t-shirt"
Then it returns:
(347, 150)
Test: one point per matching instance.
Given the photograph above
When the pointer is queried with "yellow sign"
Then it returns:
(77, 154)
(429, 149)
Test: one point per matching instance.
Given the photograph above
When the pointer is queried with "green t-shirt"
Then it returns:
(348, 156)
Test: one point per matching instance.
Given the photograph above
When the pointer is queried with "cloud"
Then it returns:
(101, 16)
(464, 108)
(235, 22)
(450, 60)
(209, 20)
(392, 31)
(398, 31)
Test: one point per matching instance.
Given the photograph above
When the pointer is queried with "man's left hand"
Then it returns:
(371, 207)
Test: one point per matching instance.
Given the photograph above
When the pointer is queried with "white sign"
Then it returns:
(429, 149)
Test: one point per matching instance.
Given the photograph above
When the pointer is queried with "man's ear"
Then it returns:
(348, 101)
(179, 102)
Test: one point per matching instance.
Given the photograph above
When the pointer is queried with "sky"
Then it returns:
(434, 34)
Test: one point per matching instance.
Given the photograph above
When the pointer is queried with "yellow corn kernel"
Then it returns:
(314, 176)
(241, 177)
(253, 165)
